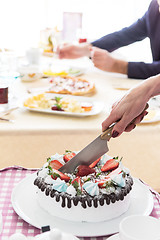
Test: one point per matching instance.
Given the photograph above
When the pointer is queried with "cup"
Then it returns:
(33, 55)
(3, 92)
(30, 73)
(136, 227)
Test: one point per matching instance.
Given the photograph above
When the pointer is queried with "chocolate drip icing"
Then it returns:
(101, 200)
(57, 197)
(85, 200)
(107, 198)
(47, 192)
(52, 194)
(36, 181)
(43, 187)
(63, 200)
(75, 201)
(113, 197)
(121, 196)
(89, 201)
(69, 203)
(95, 202)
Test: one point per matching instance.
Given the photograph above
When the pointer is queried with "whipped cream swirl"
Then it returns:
(119, 180)
(91, 188)
(59, 185)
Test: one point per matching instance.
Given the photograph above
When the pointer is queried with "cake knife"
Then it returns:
(92, 151)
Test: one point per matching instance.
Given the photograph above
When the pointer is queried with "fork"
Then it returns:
(7, 120)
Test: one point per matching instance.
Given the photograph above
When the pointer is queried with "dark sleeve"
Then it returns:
(141, 70)
(136, 32)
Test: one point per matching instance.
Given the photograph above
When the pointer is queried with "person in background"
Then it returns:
(130, 110)
(147, 26)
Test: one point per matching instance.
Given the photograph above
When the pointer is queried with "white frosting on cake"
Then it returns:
(79, 214)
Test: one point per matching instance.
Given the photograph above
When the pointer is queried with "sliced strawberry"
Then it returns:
(55, 164)
(114, 172)
(62, 176)
(84, 170)
(101, 182)
(78, 180)
(92, 165)
(68, 156)
(110, 165)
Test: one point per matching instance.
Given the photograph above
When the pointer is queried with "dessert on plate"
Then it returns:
(94, 193)
(57, 103)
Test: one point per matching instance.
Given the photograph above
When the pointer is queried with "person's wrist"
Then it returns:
(86, 49)
(119, 66)
(154, 86)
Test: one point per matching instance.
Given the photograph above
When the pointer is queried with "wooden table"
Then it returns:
(35, 136)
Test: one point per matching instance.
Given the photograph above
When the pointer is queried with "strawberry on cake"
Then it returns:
(94, 193)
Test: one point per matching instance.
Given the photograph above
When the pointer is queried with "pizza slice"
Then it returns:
(71, 85)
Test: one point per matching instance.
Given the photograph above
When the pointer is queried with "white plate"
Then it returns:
(114, 237)
(153, 111)
(24, 203)
(76, 71)
(96, 109)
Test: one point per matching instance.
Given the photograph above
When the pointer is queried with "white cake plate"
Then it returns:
(25, 205)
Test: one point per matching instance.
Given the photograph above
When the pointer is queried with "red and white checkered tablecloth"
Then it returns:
(12, 223)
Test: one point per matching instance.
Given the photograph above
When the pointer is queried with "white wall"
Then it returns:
(22, 20)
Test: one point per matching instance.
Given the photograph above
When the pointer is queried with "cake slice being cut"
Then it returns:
(94, 193)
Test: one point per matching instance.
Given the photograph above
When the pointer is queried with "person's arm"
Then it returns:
(136, 32)
(103, 60)
(141, 70)
(132, 106)
(110, 42)
(71, 51)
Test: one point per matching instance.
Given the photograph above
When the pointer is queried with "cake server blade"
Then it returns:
(90, 153)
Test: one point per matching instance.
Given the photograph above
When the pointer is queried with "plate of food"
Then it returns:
(63, 105)
(71, 85)
(61, 83)
(71, 71)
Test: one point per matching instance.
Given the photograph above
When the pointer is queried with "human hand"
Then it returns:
(103, 60)
(71, 51)
(127, 112)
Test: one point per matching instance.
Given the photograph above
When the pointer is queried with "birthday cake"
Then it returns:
(94, 193)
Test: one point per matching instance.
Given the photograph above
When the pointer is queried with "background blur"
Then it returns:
(21, 21)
